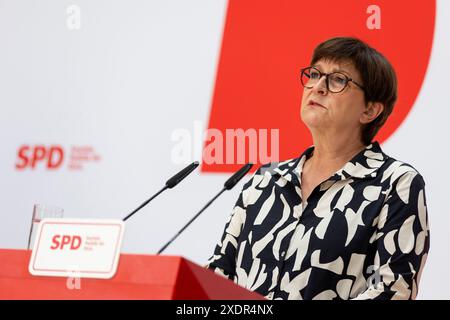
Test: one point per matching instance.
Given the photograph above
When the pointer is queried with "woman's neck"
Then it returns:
(331, 156)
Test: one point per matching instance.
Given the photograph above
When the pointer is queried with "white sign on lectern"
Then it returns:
(89, 248)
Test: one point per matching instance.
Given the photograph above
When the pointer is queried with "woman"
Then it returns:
(344, 220)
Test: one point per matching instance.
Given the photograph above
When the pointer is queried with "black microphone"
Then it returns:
(235, 178)
(172, 182)
(228, 185)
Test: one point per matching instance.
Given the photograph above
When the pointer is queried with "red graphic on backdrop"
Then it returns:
(265, 43)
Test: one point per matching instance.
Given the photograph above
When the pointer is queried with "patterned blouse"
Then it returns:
(363, 232)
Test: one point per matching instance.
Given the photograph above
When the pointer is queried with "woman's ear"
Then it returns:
(373, 110)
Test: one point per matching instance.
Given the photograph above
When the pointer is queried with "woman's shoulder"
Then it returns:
(277, 167)
(267, 176)
(400, 171)
(265, 173)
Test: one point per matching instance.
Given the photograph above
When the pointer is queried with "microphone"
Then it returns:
(172, 182)
(228, 185)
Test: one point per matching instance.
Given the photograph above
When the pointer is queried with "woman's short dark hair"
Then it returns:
(377, 74)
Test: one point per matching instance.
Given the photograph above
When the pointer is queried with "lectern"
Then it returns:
(137, 277)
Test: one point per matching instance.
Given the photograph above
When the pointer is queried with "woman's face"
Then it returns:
(334, 113)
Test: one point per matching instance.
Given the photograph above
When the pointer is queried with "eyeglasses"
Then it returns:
(335, 81)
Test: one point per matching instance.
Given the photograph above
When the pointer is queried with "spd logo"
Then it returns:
(53, 157)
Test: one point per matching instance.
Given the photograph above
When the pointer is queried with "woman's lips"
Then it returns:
(314, 104)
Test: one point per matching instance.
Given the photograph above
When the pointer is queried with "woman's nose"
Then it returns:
(321, 86)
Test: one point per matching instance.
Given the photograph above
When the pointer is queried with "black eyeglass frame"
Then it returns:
(327, 75)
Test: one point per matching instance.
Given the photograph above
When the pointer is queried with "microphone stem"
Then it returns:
(143, 204)
(190, 221)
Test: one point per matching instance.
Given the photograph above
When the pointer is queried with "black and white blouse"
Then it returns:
(362, 234)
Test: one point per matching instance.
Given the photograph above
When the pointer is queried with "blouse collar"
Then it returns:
(364, 164)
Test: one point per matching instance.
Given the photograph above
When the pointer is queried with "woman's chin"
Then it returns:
(312, 119)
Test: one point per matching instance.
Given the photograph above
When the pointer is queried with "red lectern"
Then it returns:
(137, 277)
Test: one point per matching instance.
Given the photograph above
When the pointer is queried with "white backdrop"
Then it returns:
(121, 84)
